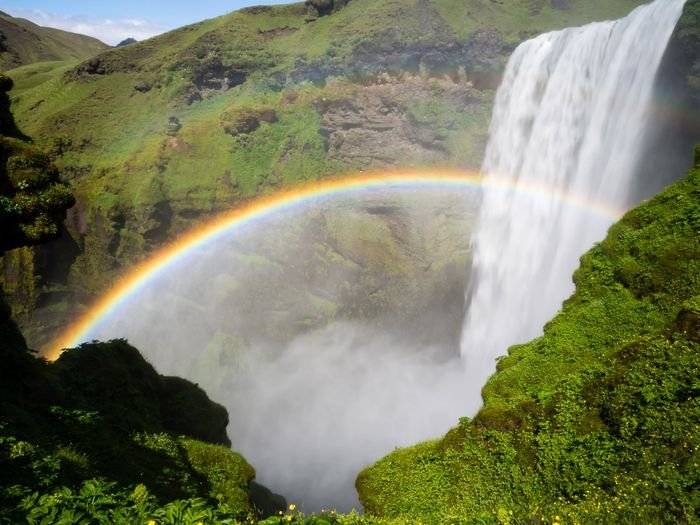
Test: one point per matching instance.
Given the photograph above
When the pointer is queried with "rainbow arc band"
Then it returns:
(286, 200)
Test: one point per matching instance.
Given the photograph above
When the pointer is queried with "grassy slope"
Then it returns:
(121, 129)
(596, 421)
(25, 43)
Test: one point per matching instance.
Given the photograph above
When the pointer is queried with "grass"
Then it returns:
(32, 75)
(530, 16)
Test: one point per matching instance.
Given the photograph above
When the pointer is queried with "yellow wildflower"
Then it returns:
(292, 506)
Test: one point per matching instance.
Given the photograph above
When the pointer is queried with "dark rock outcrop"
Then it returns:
(676, 107)
(243, 122)
(114, 379)
(126, 42)
(316, 8)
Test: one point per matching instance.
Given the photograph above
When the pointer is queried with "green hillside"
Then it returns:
(598, 420)
(158, 136)
(23, 42)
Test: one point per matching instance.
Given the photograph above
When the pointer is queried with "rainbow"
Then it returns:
(265, 206)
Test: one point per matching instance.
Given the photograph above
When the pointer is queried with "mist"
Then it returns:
(336, 400)
(329, 332)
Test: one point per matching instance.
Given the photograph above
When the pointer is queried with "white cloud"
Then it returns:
(111, 31)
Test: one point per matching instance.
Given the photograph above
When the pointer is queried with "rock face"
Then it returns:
(483, 55)
(316, 8)
(243, 122)
(397, 119)
(676, 116)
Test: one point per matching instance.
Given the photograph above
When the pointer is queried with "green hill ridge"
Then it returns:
(23, 42)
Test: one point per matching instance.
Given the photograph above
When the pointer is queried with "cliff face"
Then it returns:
(147, 134)
(676, 111)
(597, 419)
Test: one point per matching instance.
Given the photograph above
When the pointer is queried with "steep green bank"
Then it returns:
(596, 421)
(158, 136)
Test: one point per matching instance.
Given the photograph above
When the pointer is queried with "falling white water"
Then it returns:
(570, 116)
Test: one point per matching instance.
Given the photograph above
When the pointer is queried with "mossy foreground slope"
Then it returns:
(598, 420)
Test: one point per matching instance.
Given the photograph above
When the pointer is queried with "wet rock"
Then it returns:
(378, 125)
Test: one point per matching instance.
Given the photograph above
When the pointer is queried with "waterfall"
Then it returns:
(570, 116)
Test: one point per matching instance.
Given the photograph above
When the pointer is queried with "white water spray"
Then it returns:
(328, 331)
(570, 115)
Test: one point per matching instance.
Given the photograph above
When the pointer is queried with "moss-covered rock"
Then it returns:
(33, 202)
(114, 378)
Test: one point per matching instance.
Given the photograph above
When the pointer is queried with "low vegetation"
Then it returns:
(99, 435)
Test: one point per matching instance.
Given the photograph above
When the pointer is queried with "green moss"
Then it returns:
(227, 472)
(526, 15)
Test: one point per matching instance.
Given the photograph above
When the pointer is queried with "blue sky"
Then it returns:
(112, 22)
